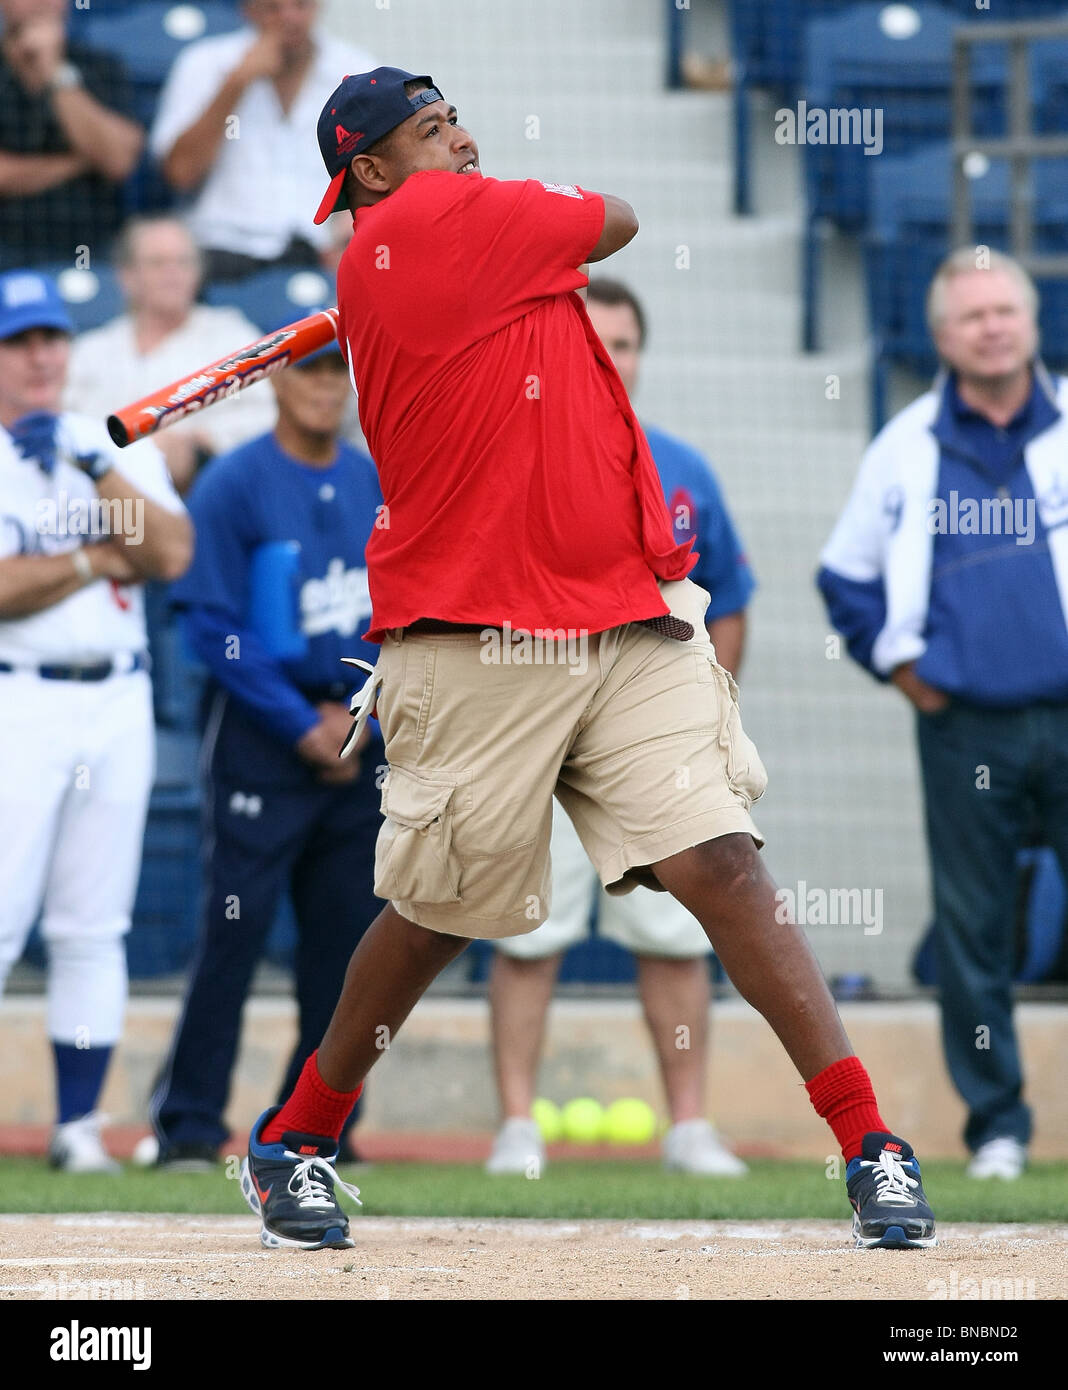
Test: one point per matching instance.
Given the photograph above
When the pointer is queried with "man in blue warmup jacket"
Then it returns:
(276, 595)
(948, 575)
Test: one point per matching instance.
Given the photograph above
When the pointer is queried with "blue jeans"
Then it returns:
(986, 774)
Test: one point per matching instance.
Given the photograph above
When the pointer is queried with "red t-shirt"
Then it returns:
(518, 485)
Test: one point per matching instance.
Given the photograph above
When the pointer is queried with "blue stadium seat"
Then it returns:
(851, 62)
(177, 677)
(767, 44)
(150, 34)
(92, 296)
(163, 936)
(279, 295)
(767, 35)
(911, 232)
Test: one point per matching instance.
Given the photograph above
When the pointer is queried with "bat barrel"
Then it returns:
(224, 378)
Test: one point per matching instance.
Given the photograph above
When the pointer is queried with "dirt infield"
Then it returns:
(211, 1257)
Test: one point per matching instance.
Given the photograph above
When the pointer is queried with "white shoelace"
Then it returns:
(892, 1182)
(312, 1191)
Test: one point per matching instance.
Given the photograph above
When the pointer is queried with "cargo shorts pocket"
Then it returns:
(746, 774)
(415, 860)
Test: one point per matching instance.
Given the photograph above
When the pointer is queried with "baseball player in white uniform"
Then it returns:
(81, 525)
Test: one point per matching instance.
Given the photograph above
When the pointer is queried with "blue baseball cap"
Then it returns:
(30, 300)
(361, 111)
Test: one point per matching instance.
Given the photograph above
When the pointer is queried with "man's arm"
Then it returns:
(190, 158)
(106, 141)
(23, 175)
(164, 547)
(31, 583)
(109, 143)
(727, 635)
(620, 227)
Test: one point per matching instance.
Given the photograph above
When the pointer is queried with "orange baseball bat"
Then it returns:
(267, 355)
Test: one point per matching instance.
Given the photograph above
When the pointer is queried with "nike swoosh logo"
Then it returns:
(263, 1193)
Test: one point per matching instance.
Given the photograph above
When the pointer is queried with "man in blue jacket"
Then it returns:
(948, 575)
(276, 595)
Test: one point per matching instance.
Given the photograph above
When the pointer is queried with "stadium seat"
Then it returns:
(149, 35)
(163, 936)
(767, 35)
(859, 60)
(767, 44)
(911, 232)
(92, 295)
(275, 296)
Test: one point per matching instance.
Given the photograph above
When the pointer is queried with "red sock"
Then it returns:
(842, 1095)
(313, 1108)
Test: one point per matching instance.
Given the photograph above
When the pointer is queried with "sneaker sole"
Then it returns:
(893, 1238)
(333, 1239)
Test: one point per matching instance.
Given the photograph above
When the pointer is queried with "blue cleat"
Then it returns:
(890, 1210)
(290, 1187)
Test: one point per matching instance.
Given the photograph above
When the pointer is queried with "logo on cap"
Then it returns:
(346, 139)
(24, 289)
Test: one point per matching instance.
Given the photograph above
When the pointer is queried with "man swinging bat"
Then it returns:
(523, 504)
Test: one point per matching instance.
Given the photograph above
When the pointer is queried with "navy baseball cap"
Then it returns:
(361, 111)
(30, 300)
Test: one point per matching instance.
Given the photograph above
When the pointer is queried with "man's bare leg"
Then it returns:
(520, 992)
(388, 974)
(724, 884)
(676, 995)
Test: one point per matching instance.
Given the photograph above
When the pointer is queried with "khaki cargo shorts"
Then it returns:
(638, 735)
(647, 923)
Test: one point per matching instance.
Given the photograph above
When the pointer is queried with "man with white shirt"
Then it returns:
(163, 335)
(81, 526)
(232, 127)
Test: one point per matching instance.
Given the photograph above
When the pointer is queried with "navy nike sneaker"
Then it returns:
(889, 1206)
(290, 1187)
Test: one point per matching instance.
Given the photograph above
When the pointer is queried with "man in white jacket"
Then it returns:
(948, 575)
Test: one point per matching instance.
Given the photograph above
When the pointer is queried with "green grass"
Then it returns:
(637, 1190)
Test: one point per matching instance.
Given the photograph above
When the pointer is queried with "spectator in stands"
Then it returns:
(670, 945)
(948, 576)
(276, 595)
(66, 139)
(81, 527)
(163, 335)
(232, 128)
